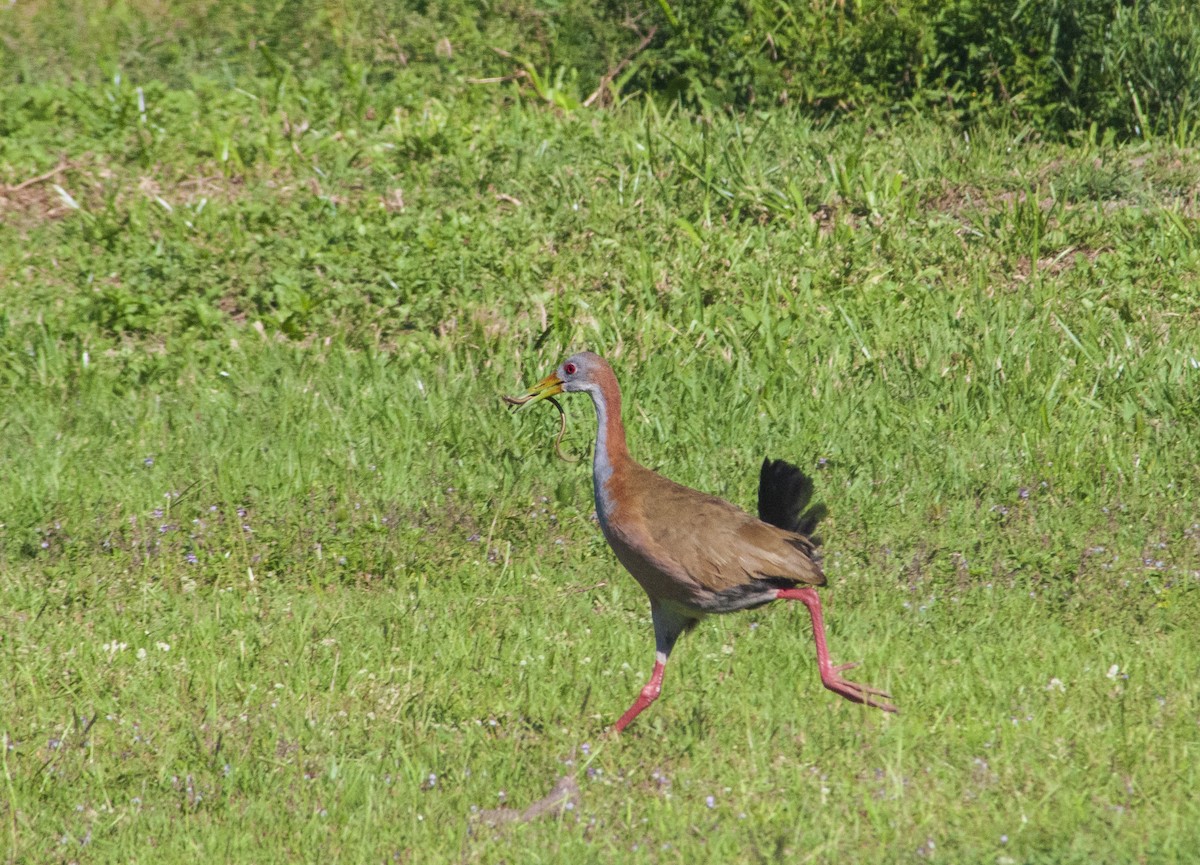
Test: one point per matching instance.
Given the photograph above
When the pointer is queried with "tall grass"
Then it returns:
(1062, 67)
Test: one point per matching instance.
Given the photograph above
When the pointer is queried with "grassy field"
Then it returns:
(279, 572)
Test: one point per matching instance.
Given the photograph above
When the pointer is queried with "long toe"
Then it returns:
(874, 692)
(868, 695)
(864, 694)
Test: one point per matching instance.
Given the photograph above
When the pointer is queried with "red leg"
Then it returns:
(829, 673)
(649, 695)
(668, 625)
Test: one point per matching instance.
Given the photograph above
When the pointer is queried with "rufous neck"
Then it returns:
(611, 449)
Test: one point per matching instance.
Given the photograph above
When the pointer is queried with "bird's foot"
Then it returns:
(853, 691)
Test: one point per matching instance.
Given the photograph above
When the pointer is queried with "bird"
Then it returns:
(695, 554)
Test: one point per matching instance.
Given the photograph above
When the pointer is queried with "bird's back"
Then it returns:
(698, 550)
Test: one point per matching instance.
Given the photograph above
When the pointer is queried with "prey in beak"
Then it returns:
(546, 389)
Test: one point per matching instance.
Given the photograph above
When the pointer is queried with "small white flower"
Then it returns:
(1114, 671)
(163, 647)
(1056, 684)
(141, 654)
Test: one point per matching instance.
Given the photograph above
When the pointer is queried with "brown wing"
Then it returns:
(717, 545)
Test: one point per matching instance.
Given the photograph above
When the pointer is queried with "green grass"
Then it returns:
(276, 566)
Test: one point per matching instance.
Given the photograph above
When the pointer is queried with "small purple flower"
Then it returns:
(1023, 493)
(711, 801)
(148, 462)
(586, 748)
(191, 558)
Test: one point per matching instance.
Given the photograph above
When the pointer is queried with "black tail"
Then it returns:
(785, 499)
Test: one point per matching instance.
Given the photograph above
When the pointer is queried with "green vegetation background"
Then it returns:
(278, 569)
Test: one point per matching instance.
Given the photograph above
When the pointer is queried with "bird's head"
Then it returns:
(581, 371)
(578, 372)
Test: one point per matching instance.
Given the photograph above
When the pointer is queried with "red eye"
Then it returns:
(570, 368)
